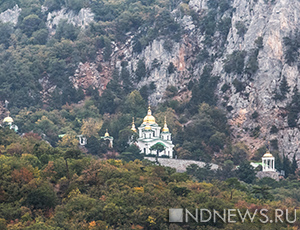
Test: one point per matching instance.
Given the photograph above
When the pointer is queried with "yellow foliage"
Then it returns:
(92, 224)
(151, 220)
(115, 162)
(74, 193)
(36, 173)
(199, 186)
(185, 8)
(91, 127)
(139, 189)
(68, 141)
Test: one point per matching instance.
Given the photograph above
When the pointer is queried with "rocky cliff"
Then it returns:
(11, 15)
(267, 21)
(272, 21)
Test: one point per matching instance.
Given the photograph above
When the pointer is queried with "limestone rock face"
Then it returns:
(88, 74)
(273, 175)
(11, 15)
(82, 19)
(272, 22)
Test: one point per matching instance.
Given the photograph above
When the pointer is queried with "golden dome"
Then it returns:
(8, 120)
(149, 118)
(148, 127)
(106, 134)
(133, 126)
(267, 154)
(165, 128)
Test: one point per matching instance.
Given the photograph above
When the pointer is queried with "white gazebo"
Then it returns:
(268, 162)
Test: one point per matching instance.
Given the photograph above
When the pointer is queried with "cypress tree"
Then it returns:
(284, 87)
(286, 166)
(294, 165)
(278, 163)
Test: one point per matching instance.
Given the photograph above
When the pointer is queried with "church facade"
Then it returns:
(150, 133)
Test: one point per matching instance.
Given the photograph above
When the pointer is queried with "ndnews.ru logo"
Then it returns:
(180, 215)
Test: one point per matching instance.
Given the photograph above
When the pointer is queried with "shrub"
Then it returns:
(239, 86)
(274, 129)
(241, 28)
(168, 45)
(171, 68)
(259, 42)
(234, 63)
(252, 63)
(140, 70)
(225, 87)
(255, 115)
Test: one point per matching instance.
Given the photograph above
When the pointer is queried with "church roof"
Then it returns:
(165, 128)
(267, 155)
(8, 120)
(106, 134)
(133, 126)
(155, 140)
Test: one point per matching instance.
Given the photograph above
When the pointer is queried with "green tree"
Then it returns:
(294, 108)
(235, 62)
(284, 88)
(239, 153)
(132, 153)
(31, 23)
(217, 141)
(262, 192)
(6, 29)
(294, 165)
(233, 184)
(135, 104)
(246, 172)
(39, 37)
(140, 70)
(159, 147)
(241, 28)
(42, 197)
(66, 30)
(71, 154)
(226, 171)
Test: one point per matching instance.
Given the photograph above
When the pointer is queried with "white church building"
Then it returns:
(150, 133)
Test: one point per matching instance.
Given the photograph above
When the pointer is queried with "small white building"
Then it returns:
(108, 137)
(8, 121)
(149, 134)
(82, 140)
(268, 162)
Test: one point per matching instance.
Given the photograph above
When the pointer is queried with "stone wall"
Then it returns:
(179, 164)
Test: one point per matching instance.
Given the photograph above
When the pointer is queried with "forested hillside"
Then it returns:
(60, 188)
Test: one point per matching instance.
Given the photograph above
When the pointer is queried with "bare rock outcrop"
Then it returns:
(11, 15)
